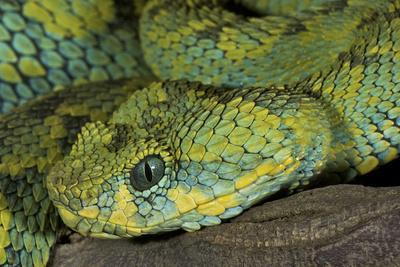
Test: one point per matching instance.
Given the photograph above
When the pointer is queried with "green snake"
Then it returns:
(253, 97)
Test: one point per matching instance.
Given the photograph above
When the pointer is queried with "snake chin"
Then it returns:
(73, 219)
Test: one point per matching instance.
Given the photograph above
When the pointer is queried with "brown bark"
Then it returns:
(336, 225)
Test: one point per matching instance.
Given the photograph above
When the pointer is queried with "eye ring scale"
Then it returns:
(147, 172)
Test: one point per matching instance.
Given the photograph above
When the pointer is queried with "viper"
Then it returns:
(230, 102)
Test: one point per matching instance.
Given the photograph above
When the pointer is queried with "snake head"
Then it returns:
(179, 155)
(112, 185)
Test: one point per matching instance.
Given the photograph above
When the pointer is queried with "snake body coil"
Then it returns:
(256, 104)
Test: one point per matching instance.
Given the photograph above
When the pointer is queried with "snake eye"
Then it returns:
(147, 172)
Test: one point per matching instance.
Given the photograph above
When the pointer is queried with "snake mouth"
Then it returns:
(99, 228)
(77, 222)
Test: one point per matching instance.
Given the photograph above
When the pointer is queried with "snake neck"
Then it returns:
(361, 96)
(213, 125)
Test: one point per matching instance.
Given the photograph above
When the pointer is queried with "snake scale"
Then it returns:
(228, 103)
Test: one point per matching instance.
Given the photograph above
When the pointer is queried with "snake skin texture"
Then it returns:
(45, 45)
(274, 98)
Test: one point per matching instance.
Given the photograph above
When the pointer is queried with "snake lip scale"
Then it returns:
(205, 113)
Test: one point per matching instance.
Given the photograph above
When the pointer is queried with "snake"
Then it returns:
(123, 119)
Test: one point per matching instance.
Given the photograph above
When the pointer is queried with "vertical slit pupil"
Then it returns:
(148, 172)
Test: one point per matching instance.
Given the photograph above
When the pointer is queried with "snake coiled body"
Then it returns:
(247, 106)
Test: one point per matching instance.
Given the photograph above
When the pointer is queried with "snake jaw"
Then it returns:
(72, 219)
